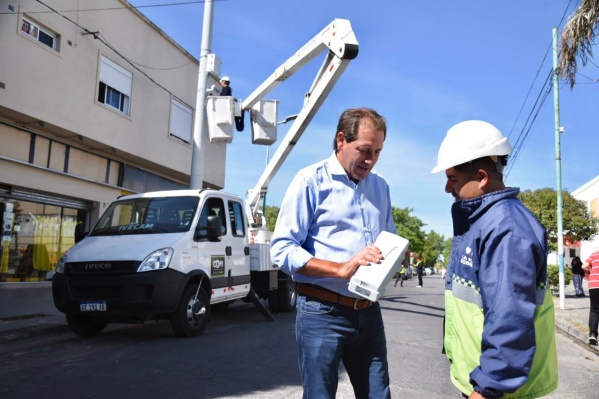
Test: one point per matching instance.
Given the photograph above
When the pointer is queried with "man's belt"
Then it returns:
(323, 294)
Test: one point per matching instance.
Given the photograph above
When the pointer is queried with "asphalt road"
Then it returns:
(241, 355)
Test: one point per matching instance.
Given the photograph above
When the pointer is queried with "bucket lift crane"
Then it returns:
(339, 41)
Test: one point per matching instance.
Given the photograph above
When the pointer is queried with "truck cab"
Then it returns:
(160, 255)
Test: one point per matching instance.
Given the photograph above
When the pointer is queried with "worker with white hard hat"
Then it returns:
(225, 81)
(499, 313)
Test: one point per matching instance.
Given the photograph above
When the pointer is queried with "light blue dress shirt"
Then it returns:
(325, 215)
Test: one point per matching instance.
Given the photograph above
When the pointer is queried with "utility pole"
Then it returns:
(558, 166)
(200, 127)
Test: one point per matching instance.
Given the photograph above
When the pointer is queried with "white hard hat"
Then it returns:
(468, 141)
(225, 78)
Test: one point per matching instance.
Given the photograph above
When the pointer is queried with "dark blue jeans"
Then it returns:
(577, 281)
(329, 334)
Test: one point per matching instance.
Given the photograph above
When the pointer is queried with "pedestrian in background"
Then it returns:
(499, 312)
(419, 270)
(402, 275)
(577, 276)
(330, 217)
(227, 89)
(591, 266)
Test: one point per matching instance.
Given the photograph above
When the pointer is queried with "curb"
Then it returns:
(32, 331)
(575, 332)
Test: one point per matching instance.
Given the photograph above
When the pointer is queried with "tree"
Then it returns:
(447, 251)
(578, 38)
(271, 213)
(577, 223)
(409, 227)
(433, 247)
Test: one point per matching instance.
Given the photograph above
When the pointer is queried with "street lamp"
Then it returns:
(288, 119)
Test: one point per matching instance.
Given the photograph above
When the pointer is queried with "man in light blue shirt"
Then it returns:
(331, 215)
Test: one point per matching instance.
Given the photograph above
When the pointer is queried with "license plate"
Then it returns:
(99, 306)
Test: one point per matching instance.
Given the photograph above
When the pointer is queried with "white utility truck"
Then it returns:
(175, 255)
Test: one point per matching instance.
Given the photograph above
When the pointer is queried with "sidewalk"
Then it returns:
(27, 310)
(574, 318)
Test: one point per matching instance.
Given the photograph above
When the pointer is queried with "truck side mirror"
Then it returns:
(211, 231)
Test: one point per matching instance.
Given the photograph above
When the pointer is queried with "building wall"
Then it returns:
(59, 88)
(589, 193)
(68, 145)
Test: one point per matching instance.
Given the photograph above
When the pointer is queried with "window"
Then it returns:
(146, 215)
(236, 216)
(39, 235)
(213, 207)
(114, 86)
(572, 252)
(40, 34)
(181, 125)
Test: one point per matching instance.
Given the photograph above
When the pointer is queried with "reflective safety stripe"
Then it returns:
(466, 291)
(540, 297)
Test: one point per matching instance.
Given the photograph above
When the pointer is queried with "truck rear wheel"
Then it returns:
(192, 314)
(287, 295)
(85, 326)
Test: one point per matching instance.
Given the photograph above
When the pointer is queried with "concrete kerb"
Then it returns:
(28, 310)
(574, 318)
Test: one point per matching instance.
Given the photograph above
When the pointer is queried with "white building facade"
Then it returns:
(95, 102)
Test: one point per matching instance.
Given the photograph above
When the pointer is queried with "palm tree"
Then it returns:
(577, 38)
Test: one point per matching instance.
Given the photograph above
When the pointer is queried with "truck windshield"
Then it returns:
(147, 216)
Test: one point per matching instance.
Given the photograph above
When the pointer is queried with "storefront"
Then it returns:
(37, 230)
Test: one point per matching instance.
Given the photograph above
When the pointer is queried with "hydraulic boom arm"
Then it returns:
(338, 38)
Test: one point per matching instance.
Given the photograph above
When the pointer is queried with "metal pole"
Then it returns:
(558, 166)
(200, 127)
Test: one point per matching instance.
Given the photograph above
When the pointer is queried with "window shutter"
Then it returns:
(115, 76)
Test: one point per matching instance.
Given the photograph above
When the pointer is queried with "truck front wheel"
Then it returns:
(85, 326)
(192, 314)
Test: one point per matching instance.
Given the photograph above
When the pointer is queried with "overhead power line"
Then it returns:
(98, 36)
(537, 106)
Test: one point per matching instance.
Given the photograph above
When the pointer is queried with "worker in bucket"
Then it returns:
(499, 313)
(226, 83)
(331, 215)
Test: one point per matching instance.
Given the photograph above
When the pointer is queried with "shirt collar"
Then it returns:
(335, 166)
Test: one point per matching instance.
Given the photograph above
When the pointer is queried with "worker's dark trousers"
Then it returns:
(594, 313)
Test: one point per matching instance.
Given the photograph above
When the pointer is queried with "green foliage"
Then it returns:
(271, 213)
(553, 275)
(447, 250)
(577, 222)
(433, 247)
(409, 227)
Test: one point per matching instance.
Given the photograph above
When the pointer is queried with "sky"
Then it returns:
(424, 65)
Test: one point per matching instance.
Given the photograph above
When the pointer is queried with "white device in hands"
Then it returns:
(371, 281)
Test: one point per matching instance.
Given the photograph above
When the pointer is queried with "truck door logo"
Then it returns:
(217, 265)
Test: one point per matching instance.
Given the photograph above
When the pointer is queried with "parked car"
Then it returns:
(429, 271)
